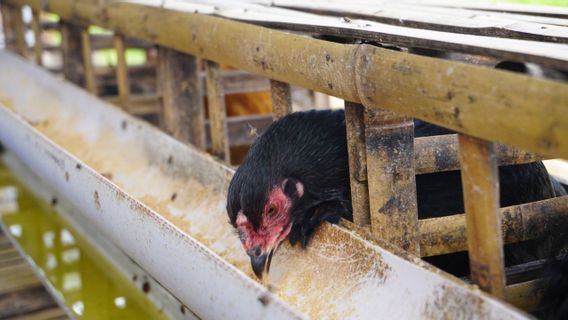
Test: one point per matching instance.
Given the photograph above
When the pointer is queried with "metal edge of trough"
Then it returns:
(160, 296)
(195, 274)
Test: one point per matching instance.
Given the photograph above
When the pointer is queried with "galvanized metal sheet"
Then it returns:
(165, 207)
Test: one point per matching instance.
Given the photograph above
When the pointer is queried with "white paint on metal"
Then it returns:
(185, 241)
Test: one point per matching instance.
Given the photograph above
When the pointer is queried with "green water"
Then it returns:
(90, 286)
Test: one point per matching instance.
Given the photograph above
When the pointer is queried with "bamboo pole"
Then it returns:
(217, 111)
(480, 182)
(38, 45)
(72, 52)
(90, 79)
(19, 29)
(122, 72)
(391, 179)
(518, 223)
(281, 99)
(355, 126)
(183, 115)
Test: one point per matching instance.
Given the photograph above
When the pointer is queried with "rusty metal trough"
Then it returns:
(163, 204)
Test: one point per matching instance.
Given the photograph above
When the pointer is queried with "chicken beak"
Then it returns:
(258, 264)
(261, 264)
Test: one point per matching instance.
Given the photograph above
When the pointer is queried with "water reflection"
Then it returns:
(89, 284)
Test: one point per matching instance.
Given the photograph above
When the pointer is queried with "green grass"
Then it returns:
(561, 3)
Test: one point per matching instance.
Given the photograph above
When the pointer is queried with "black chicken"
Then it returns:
(296, 175)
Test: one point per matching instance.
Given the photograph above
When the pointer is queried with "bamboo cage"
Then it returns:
(383, 89)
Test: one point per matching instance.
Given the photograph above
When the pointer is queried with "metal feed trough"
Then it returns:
(161, 201)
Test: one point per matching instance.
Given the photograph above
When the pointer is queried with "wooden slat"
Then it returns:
(414, 17)
(549, 54)
(355, 126)
(19, 303)
(7, 28)
(19, 29)
(90, 79)
(47, 314)
(518, 223)
(440, 153)
(217, 112)
(480, 181)
(526, 295)
(281, 99)
(71, 52)
(547, 11)
(122, 72)
(183, 115)
(38, 43)
(391, 179)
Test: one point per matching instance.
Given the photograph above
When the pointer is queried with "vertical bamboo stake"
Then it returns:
(71, 52)
(90, 80)
(281, 99)
(7, 26)
(355, 126)
(122, 72)
(481, 198)
(217, 111)
(19, 30)
(36, 27)
(183, 115)
(391, 178)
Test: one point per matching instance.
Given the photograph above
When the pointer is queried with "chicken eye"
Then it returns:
(271, 211)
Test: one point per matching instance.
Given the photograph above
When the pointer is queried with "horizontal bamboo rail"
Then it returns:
(355, 73)
(519, 223)
(440, 153)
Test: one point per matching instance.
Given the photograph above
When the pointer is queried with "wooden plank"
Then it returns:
(514, 100)
(355, 126)
(183, 115)
(391, 179)
(480, 182)
(281, 99)
(71, 52)
(19, 303)
(15, 13)
(38, 43)
(502, 48)
(518, 223)
(122, 72)
(414, 17)
(540, 10)
(90, 79)
(55, 313)
(217, 112)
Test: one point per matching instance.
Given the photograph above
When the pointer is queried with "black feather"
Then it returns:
(310, 147)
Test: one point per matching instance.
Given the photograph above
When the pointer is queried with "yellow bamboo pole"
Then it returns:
(480, 181)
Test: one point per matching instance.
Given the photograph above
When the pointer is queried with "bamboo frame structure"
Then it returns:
(90, 78)
(122, 72)
(357, 152)
(377, 116)
(178, 76)
(480, 181)
(217, 111)
(281, 99)
(38, 46)
(389, 140)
